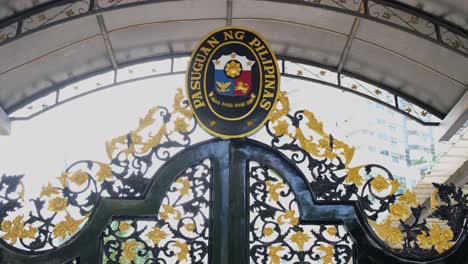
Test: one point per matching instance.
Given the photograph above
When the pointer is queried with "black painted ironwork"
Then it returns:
(56, 12)
(388, 12)
(84, 182)
(230, 172)
(275, 231)
(180, 232)
(400, 16)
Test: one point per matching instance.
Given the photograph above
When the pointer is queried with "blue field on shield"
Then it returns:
(222, 84)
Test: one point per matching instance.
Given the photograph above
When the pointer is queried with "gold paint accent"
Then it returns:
(111, 145)
(281, 128)
(168, 209)
(79, 177)
(217, 62)
(156, 235)
(3, 37)
(223, 87)
(288, 214)
(49, 190)
(212, 122)
(249, 63)
(354, 87)
(414, 20)
(184, 250)
(387, 232)
(185, 189)
(268, 231)
(276, 113)
(104, 173)
(127, 249)
(70, 13)
(68, 226)
(395, 186)
(180, 125)
(354, 177)
(57, 204)
(299, 73)
(16, 229)
(408, 197)
(243, 87)
(233, 55)
(142, 138)
(273, 189)
(273, 254)
(399, 211)
(41, 17)
(233, 69)
(124, 226)
(377, 92)
(329, 253)
(63, 179)
(439, 238)
(332, 231)
(322, 72)
(299, 238)
(189, 227)
(250, 123)
(379, 183)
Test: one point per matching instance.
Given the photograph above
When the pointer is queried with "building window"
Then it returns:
(384, 152)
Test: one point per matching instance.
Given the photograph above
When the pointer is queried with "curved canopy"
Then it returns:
(408, 51)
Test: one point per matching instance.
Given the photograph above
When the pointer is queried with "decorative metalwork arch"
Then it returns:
(326, 199)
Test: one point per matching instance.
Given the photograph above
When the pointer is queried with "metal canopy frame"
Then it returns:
(397, 96)
(441, 27)
(58, 14)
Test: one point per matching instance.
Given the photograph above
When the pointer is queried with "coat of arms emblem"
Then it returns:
(232, 82)
(233, 75)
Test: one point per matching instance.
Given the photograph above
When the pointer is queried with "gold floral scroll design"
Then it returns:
(65, 205)
(276, 234)
(314, 140)
(146, 136)
(179, 233)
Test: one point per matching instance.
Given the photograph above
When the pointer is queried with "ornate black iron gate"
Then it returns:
(238, 191)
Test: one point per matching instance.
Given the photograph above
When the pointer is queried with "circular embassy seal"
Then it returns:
(232, 82)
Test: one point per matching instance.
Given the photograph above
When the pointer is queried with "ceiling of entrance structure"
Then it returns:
(65, 43)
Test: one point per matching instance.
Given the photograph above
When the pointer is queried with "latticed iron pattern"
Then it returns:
(276, 233)
(178, 234)
(180, 230)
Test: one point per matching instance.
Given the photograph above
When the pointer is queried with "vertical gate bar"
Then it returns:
(219, 232)
(238, 231)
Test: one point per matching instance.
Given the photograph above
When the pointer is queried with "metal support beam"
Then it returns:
(347, 47)
(228, 12)
(455, 119)
(105, 36)
(5, 123)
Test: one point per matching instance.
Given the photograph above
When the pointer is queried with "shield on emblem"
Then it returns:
(233, 75)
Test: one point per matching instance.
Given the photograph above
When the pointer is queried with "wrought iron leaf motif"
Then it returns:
(65, 205)
(395, 217)
(178, 234)
(276, 236)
